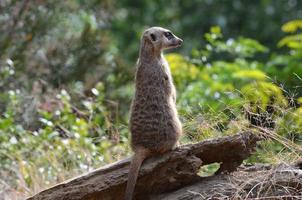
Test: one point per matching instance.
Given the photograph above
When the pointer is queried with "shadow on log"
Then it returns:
(158, 175)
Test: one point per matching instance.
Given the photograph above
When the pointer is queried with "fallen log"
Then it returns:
(262, 182)
(158, 175)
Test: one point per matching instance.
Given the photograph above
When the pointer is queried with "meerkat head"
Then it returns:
(161, 38)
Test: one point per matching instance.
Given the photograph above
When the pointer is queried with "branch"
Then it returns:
(255, 182)
(159, 174)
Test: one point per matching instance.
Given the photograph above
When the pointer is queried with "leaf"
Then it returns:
(252, 74)
(215, 30)
(292, 26)
(252, 45)
(292, 41)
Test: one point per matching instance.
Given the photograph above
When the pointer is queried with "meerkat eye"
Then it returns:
(168, 35)
(153, 37)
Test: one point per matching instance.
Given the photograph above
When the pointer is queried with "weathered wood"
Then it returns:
(158, 174)
(257, 183)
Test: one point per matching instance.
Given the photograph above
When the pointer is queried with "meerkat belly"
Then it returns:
(154, 123)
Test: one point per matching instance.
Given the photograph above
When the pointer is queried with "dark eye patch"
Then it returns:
(168, 35)
(153, 37)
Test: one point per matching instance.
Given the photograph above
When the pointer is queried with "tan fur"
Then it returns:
(154, 124)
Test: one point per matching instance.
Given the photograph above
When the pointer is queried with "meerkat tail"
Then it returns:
(135, 165)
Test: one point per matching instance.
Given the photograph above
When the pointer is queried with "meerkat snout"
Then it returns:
(178, 42)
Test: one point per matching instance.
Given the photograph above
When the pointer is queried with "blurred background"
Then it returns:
(67, 74)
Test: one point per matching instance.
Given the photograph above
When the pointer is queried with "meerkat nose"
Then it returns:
(180, 41)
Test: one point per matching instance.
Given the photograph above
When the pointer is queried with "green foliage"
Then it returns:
(292, 41)
(218, 92)
(292, 26)
(67, 140)
(184, 72)
(222, 85)
(241, 47)
(286, 68)
(262, 94)
(191, 19)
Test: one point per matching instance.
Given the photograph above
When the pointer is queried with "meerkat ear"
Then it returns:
(153, 37)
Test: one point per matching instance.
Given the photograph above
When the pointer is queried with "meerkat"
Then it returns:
(154, 124)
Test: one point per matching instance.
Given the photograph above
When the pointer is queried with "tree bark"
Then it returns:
(160, 175)
(249, 182)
